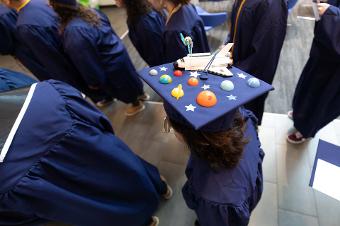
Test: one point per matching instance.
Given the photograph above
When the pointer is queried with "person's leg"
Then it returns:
(160, 184)
(257, 107)
(153, 221)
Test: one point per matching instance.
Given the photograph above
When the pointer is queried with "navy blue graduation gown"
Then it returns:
(100, 56)
(259, 37)
(13, 80)
(37, 30)
(146, 35)
(8, 19)
(185, 21)
(65, 164)
(9, 44)
(317, 96)
(227, 197)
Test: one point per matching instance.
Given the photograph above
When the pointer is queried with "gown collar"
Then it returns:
(173, 11)
(23, 5)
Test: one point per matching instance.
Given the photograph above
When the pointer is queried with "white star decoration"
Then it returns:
(194, 74)
(163, 68)
(205, 87)
(232, 97)
(241, 75)
(190, 108)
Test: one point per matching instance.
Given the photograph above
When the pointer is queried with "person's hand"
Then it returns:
(322, 7)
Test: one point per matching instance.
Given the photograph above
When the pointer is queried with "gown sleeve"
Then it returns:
(155, 53)
(6, 41)
(327, 30)
(174, 49)
(266, 42)
(43, 47)
(80, 46)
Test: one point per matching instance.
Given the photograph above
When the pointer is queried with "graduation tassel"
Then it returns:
(187, 41)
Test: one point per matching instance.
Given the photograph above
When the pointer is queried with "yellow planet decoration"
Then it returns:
(177, 92)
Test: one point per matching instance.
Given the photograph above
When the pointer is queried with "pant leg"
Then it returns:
(155, 177)
(257, 107)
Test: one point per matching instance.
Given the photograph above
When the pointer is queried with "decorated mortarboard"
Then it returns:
(202, 101)
(326, 170)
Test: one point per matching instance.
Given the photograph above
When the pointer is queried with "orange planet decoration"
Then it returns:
(206, 99)
(178, 73)
(193, 81)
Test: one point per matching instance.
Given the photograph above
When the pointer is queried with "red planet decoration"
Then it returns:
(178, 73)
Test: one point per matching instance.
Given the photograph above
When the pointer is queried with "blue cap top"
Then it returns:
(189, 111)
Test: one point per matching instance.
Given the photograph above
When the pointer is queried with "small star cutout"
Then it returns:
(232, 97)
(194, 74)
(241, 75)
(163, 68)
(190, 108)
(205, 87)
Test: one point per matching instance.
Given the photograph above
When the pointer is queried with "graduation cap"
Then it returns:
(207, 105)
(13, 105)
(326, 170)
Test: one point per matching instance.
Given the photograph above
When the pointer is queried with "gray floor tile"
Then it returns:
(287, 218)
(328, 210)
(293, 179)
(267, 137)
(265, 214)
(282, 125)
(174, 211)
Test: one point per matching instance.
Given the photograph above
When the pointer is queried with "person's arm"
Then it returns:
(174, 49)
(327, 30)
(46, 51)
(6, 41)
(267, 41)
(154, 52)
(80, 46)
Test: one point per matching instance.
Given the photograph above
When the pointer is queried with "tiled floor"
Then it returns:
(287, 198)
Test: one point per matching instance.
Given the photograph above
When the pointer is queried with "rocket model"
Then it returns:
(199, 61)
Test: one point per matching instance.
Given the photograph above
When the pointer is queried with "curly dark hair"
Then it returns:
(66, 14)
(219, 149)
(135, 9)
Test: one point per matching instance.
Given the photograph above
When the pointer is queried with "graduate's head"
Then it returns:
(161, 4)
(67, 10)
(134, 9)
(13, 4)
(220, 142)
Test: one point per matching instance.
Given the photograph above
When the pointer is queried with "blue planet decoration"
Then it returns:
(227, 85)
(254, 82)
(165, 79)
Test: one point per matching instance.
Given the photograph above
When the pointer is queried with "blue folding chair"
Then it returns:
(291, 4)
(211, 20)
